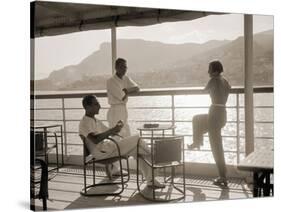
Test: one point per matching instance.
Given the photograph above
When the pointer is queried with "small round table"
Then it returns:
(152, 129)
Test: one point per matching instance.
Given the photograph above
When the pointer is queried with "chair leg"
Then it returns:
(44, 204)
(85, 176)
(272, 189)
(107, 171)
(128, 170)
(85, 191)
(122, 176)
(94, 174)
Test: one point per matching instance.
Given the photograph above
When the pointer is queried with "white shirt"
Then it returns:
(89, 125)
(115, 86)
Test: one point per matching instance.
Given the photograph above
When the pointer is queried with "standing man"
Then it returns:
(118, 88)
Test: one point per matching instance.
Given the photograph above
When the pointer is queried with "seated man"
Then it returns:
(96, 132)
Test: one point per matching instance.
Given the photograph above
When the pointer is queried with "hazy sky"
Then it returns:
(55, 52)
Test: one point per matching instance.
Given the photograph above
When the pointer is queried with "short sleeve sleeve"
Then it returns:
(86, 127)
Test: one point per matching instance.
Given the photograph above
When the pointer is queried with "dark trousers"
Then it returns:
(212, 123)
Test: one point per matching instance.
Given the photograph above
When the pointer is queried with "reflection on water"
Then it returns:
(186, 107)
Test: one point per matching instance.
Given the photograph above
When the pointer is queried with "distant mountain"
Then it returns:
(155, 64)
(193, 72)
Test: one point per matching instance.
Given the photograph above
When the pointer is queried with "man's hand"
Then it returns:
(120, 123)
(126, 94)
(125, 97)
(125, 91)
(118, 127)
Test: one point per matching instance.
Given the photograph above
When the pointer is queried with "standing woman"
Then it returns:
(218, 89)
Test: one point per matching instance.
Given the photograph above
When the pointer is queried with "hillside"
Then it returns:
(155, 64)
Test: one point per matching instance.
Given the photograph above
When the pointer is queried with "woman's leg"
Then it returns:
(199, 127)
(217, 150)
(217, 119)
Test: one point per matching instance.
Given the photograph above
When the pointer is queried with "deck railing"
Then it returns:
(172, 107)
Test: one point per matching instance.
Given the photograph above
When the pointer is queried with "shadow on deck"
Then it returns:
(65, 187)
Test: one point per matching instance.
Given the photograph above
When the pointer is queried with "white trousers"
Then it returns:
(116, 113)
(128, 147)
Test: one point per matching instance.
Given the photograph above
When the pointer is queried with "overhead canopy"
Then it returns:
(55, 18)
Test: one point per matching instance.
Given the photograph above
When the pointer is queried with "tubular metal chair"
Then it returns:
(43, 194)
(89, 159)
(38, 175)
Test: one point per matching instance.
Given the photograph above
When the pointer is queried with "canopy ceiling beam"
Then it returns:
(54, 18)
(56, 9)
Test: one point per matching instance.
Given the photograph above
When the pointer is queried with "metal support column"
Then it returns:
(113, 48)
(64, 127)
(248, 68)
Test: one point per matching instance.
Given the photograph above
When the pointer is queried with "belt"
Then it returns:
(118, 104)
(218, 105)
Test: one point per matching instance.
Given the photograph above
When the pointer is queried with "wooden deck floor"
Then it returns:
(65, 187)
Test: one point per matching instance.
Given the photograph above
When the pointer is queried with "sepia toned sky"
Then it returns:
(55, 52)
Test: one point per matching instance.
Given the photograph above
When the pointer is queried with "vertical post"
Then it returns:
(248, 68)
(64, 127)
(173, 113)
(32, 64)
(238, 127)
(113, 48)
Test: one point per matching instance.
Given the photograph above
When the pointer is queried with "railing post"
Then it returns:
(248, 69)
(238, 127)
(173, 112)
(64, 127)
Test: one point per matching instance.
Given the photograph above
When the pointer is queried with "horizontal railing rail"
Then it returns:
(149, 92)
(172, 92)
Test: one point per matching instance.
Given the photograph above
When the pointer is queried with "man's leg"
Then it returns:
(146, 170)
(115, 114)
(126, 146)
(110, 117)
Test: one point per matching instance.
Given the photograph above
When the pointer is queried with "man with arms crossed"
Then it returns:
(118, 88)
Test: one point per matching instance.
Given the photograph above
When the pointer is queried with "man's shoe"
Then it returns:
(221, 181)
(193, 146)
(156, 185)
(108, 170)
(115, 171)
(118, 173)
